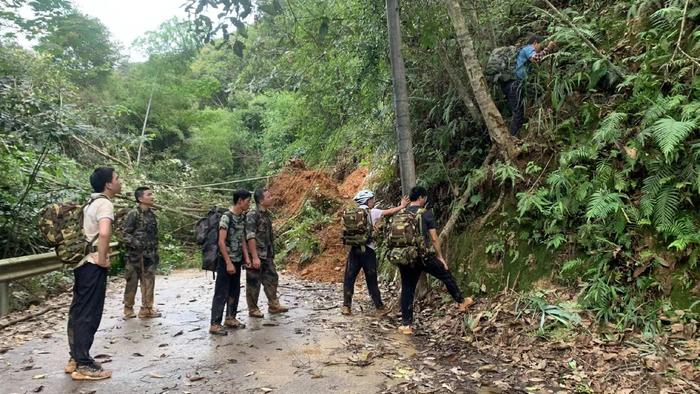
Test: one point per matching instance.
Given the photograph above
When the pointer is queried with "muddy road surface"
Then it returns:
(310, 349)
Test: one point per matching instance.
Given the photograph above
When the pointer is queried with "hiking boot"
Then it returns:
(129, 312)
(276, 307)
(90, 372)
(465, 305)
(382, 311)
(217, 329)
(71, 366)
(148, 313)
(406, 330)
(345, 310)
(255, 313)
(232, 322)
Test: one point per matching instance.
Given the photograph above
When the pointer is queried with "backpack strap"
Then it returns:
(229, 215)
(82, 221)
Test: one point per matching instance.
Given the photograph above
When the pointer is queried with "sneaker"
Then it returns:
(217, 329)
(129, 312)
(406, 330)
(232, 322)
(276, 307)
(148, 313)
(381, 311)
(90, 372)
(255, 313)
(71, 366)
(465, 305)
(345, 310)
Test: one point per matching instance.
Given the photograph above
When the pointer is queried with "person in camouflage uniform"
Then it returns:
(260, 246)
(232, 255)
(140, 238)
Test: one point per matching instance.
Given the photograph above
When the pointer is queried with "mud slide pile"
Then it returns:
(297, 184)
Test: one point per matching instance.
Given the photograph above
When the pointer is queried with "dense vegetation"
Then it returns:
(607, 180)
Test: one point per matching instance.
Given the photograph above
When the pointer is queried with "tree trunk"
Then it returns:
(492, 117)
(462, 90)
(407, 164)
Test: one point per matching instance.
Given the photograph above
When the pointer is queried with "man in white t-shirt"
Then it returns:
(90, 276)
(365, 259)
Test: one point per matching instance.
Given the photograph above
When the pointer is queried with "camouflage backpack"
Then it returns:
(405, 238)
(207, 233)
(61, 224)
(501, 64)
(357, 227)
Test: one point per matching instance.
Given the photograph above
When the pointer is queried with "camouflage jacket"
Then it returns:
(140, 234)
(259, 226)
(235, 227)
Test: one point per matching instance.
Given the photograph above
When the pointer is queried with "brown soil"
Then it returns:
(291, 188)
(353, 183)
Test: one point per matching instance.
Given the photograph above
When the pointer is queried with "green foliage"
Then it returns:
(603, 203)
(300, 234)
(669, 132)
(82, 45)
(506, 172)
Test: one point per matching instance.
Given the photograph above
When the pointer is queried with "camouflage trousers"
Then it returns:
(139, 270)
(267, 276)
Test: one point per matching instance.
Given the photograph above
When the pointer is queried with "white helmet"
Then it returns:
(363, 196)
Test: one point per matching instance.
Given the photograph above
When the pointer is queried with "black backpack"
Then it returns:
(207, 232)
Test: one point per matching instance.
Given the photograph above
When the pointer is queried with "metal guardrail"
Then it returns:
(16, 268)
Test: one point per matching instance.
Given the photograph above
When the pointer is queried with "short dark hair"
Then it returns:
(138, 193)
(240, 194)
(534, 38)
(100, 178)
(259, 194)
(417, 192)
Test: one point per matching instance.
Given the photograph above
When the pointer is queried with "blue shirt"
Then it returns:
(522, 61)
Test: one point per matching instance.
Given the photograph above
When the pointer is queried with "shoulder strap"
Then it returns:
(229, 214)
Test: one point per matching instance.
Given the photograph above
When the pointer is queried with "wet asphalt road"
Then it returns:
(311, 349)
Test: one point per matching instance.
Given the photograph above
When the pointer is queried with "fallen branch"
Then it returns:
(99, 151)
(325, 308)
(30, 316)
(680, 38)
(207, 186)
(482, 221)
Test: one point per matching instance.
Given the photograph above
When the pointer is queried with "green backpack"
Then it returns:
(357, 227)
(405, 238)
(501, 64)
(61, 224)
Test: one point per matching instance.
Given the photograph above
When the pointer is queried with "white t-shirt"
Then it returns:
(375, 214)
(102, 208)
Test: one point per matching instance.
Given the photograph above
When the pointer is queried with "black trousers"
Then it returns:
(513, 90)
(86, 310)
(227, 292)
(409, 281)
(366, 261)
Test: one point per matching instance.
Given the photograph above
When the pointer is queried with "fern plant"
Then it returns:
(603, 203)
(669, 132)
(506, 172)
(611, 128)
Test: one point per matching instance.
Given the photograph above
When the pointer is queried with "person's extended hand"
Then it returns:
(404, 202)
(552, 45)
